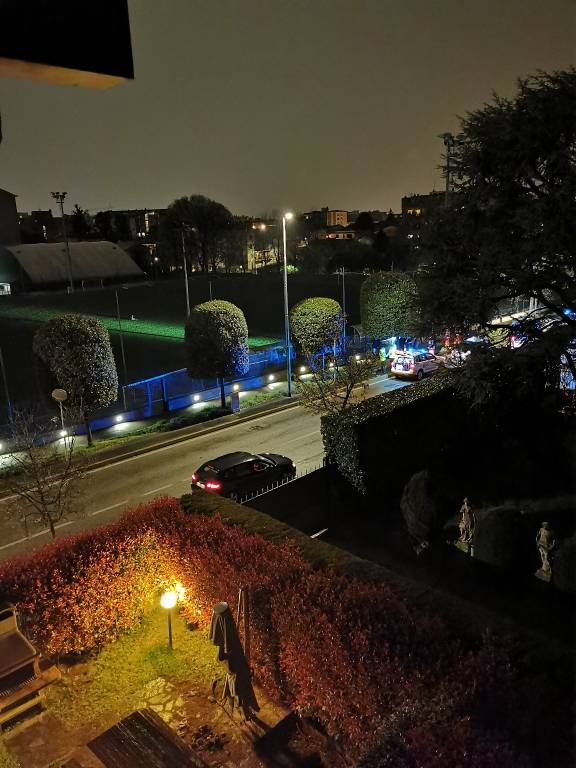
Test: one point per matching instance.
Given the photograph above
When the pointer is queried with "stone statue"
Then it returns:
(466, 525)
(545, 542)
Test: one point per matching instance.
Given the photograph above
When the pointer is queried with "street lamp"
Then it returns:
(59, 197)
(123, 352)
(60, 395)
(285, 218)
(168, 601)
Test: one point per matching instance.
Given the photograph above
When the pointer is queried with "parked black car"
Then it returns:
(241, 474)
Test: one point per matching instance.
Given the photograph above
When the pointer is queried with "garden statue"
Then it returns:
(545, 542)
(466, 525)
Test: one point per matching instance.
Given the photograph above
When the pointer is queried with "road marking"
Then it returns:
(300, 437)
(35, 535)
(155, 490)
(106, 509)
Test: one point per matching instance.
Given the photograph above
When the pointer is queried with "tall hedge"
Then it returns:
(340, 434)
(315, 323)
(77, 353)
(216, 338)
(373, 669)
(388, 305)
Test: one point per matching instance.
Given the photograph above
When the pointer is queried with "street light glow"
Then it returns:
(196, 398)
(63, 433)
(119, 418)
(169, 600)
(271, 377)
(288, 216)
(236, 387)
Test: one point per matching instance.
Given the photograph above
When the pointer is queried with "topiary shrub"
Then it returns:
(421, 506)
(315, 323)
(77, 353)
(564, 566)
(216, 338)
(388, 305)
(503, 538)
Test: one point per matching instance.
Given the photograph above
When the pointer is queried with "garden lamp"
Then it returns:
(168, 601)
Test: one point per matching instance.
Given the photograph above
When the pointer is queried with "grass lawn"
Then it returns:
(38, 314)
(111, 685)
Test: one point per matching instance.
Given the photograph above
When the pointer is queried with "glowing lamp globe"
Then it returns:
(168, 600)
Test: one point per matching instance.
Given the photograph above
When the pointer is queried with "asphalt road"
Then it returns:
(166, 471)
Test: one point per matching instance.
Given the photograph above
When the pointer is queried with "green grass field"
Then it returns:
(36, 314)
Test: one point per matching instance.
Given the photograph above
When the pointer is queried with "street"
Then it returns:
(166, 471)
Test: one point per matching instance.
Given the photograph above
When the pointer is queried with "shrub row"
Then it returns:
(382, 676)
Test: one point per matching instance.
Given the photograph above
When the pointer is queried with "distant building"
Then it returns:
(337, 219)
(9, 228)
(336, 233)
(262, 243)
(422, 205)
(45, 265)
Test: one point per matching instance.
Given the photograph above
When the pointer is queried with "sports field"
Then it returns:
(39, 315)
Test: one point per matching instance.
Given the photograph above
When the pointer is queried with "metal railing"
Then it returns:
(279, 483)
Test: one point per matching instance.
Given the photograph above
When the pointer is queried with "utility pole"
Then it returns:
(287, 216)
(449, 143)
(182, 231)
(59, 197)
(122, 349)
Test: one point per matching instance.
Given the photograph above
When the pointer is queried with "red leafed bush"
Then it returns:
(378, 674)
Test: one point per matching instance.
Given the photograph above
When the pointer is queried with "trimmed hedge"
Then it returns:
(342, 431)
(380, 675)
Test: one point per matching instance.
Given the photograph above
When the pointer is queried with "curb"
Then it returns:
(198, 430)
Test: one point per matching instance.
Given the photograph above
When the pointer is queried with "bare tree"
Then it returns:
(334, 391)
(46, 476)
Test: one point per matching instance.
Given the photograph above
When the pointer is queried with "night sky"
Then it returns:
(272, 104)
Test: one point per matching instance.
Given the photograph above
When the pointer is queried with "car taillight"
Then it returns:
(212, 485)
(193, 478)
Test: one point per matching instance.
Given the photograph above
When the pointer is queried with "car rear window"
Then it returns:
(208, 469)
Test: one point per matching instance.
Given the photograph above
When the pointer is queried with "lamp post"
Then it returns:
(59, 197)
(285, 218)
(122, 349)
(60, 395)
(168, 601)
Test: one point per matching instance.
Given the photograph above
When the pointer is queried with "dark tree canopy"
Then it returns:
(315, 323)
(209, 224)
(364, 222)
(79, 223)
(510, 232)
(388, 305)
(216, 340)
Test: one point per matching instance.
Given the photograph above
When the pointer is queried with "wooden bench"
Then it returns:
(143, 739)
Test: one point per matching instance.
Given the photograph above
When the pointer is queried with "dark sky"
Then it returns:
(272, 104)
